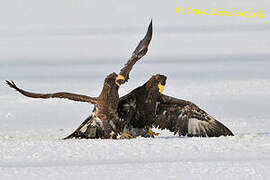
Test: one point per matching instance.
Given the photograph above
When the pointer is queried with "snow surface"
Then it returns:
(219, 63)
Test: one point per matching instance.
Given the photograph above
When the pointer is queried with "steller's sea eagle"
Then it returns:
(146, 107)
(104, 121)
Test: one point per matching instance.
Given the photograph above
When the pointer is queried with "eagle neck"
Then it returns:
(152, 90)
(108, 99)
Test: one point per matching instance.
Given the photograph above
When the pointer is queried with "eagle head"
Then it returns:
(159, 81)
(111, 80)
(114, 79)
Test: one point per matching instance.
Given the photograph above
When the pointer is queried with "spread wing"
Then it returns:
(65, 95)
(138, 53)
(126, 108)
(185, 118)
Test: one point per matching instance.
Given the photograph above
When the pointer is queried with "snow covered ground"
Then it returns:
(219, 63)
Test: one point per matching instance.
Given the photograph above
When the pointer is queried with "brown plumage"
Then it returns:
(138, 53)
(101, 123)
(138, 108)
(104, 118)
(65, 95)
(185, 118)
(145, 107)
(141, 109)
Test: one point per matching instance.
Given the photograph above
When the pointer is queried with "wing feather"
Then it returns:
(138, 53)
(65, 95)
(185, 118)
(126, 108)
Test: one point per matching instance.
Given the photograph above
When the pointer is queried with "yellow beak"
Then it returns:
(121, 77)
(160, 87)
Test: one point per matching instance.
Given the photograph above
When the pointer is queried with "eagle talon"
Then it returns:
(126, 136)
(151, 133)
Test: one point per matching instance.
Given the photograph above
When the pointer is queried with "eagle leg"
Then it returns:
(126, 136)
(151, 133)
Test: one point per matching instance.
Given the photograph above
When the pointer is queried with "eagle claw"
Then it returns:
(151, 133)
(126, 136)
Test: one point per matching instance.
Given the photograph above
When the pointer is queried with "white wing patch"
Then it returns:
(198, 127)
(193, 125)
(97, 122)
(113, 125)
(84, 128)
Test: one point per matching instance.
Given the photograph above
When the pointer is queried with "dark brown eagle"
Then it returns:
(145, 107)
(104, 121)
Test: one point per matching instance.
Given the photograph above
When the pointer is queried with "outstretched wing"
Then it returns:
(185, 118)
(65, 95)
(138, 53)
(126, 108)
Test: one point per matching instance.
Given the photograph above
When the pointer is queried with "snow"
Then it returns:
(219, 63)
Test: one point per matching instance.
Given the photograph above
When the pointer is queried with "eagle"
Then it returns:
(104, 122)
(146, 107)
(143, 108)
